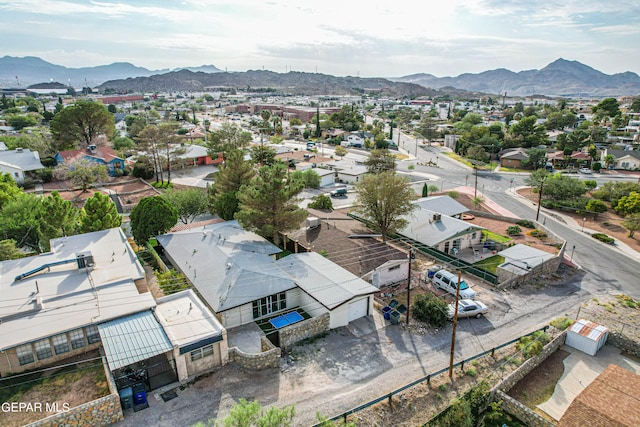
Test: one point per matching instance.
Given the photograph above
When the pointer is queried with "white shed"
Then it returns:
(587, 336)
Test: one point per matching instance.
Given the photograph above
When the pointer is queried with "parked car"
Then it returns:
(448, 281)
(340, 192)
(585, 170)
(467, 308)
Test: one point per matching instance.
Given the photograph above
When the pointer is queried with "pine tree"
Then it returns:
(99, 213)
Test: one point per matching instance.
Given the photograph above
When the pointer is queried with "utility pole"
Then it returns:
(539, 199)
(475, 189)
(411, 252)
(455, 323)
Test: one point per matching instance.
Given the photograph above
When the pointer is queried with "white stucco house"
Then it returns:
(19, 162)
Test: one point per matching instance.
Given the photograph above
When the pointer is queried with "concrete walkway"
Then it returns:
(580, 370)
(487, 203)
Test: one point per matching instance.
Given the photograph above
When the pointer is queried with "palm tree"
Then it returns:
(608, 160)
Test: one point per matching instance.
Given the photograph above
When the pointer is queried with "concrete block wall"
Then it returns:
(269, 358)
(99, 412)
(303, 330)
(520, 411)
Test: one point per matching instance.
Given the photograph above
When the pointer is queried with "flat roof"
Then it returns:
(186, 320)
(131, 339)
(525, 256)
(442, 204)
(63, 297)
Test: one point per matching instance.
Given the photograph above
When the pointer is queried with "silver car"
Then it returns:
(467, 308)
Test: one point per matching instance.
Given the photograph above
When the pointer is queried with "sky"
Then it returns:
(347, 37)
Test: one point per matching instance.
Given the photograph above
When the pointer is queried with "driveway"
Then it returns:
(193, 176)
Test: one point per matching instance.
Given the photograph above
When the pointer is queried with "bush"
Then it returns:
(532, 345)
(597, 206)
(603, 238)
(430, 309)
(514, 230)
(538, 233)
(561, 323)
(453, 194)
(321, 201)
(526, 223)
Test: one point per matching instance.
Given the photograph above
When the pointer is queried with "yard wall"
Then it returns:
(511, 405)
(292, 334)
(99, 412)
(520, 411)
(624, 343)
(269, 358)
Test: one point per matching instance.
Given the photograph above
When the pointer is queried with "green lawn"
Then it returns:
(490, 264)
(454, 156)
(498, 238)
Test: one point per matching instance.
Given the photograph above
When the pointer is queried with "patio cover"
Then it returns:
(133, 338)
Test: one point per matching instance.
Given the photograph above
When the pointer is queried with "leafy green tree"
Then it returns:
(632, 223)
(122, 142)
(9, 250)
(268, 205)
(151, 217)
(535, 179)
(341, 151)
(261, 155)
(321, 201)
(20, 122)
(347, 119)
(537, 158)
(607, 107)
(477, 153)
(560, 120)
(596, 206)
(83, 173)
(430, 309)
(58, 218)
(20, 221)
(190, 203)
(562, 187)
(635, 105)
(628, 205)
(99, 213)
(226, 205)
(380, 161)
(81, 123)
(309, 178)
(9, 190)
(527, 133)
(228, 137)
(384, 199)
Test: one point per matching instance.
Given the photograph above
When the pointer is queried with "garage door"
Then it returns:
(358, 309)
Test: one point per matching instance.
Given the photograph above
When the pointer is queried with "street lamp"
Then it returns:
(583, 220)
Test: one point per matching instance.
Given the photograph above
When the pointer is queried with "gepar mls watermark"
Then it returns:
(28, 407)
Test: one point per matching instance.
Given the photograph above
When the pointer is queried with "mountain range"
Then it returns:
(30, 70)
(559, 78)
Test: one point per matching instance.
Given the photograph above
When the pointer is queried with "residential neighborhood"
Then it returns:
(170, 257)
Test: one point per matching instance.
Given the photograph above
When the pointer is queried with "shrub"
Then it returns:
(603, 238)
(538, 233)
(471, 372)
(321, 201)
(597, 206)
(526, 223)
(561, 323)
(453, 194)
(532, 345)
(513, 230)
(430, 309)
(442, 387)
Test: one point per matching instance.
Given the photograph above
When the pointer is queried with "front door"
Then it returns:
(446, 247)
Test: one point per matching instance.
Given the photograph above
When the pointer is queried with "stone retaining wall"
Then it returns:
(99, 412)
(269, 358)
(520, 411)
(297, 332)
(624, 343)
(513, 378)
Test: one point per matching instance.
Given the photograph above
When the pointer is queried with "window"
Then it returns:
(77, 339)
(43, 349)
(25, 354)
(271, 304)
(60, 343)
(205, 351)
(92, 334)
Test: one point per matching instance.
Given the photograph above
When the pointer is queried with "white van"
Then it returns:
(447, 281)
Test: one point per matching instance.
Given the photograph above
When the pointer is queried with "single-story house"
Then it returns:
(195, 154)
(54, 302)
(392, 271)
(441, 231)
(236, 273)
(513, 157)
(623, 159)
(442, 204)
(519, 260)
(611, 400)
(19, 162)
(101, 155)
(577, 159)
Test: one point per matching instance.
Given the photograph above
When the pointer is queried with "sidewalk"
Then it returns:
(573, 224)
(487, 203)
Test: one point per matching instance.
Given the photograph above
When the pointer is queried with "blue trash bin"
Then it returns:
(139, 394)
(385, 312)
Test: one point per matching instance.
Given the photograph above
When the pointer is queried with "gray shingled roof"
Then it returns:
(24, 159)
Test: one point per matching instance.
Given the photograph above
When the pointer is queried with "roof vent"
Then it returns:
(19, 150)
